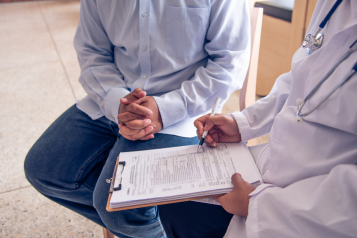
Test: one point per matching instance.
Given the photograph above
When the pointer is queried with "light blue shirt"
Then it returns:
(184, 53)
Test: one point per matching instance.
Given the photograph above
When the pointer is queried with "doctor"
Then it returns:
(309, 165)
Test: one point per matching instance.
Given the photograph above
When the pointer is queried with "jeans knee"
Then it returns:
(140, 222)
(30, 166)
(34, 169)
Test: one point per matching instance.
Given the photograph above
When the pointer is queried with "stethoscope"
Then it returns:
(300, 103)
(314, 42)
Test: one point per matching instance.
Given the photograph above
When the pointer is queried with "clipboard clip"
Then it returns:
(115, 181)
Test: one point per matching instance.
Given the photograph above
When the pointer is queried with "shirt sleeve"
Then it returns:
(228, 47)
(257, 120)
(99, 77)
(321, 206)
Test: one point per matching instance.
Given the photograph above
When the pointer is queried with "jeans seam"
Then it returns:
(87, 186)
(90, 160)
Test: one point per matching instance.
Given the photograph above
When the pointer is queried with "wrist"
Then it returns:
(172, 108)
(245, 132)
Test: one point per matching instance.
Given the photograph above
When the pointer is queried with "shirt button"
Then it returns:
(98, 113)
(144, 14)
(144, 48)
(145, 76)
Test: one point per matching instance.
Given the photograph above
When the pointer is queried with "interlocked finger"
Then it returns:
(134, 134)
(142, 133)
(126, 131)
(129, 116)
(138, 93)
(137, 109)
(138, 124)
(134, 96)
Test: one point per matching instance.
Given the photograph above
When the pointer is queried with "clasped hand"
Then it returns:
(223, 128)
(139, 116)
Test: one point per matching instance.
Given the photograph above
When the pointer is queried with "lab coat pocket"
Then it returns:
(186, 31)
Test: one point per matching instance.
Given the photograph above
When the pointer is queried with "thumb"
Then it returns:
(133, 97)
(139, 93)
(237, 180)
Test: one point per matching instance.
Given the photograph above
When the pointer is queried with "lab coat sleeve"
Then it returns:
(257, 120)
(99, 77)
(321, 206)
(228, 46)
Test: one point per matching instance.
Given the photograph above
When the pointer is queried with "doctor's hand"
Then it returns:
(237, 201)
(140, 119)
(221, 128)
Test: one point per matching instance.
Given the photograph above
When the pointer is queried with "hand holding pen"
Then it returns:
(220, 128)
(215, 106)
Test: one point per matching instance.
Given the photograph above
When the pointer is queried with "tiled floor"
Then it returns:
(38, 81)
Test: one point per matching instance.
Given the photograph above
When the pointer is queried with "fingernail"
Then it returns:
(148, 121)
(149, 113)
(214, 144)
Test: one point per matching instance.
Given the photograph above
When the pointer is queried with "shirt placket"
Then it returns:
(144, 47)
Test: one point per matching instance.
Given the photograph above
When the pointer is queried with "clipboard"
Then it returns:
(113, 188)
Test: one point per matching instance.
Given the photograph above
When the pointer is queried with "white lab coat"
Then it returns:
(309, 168)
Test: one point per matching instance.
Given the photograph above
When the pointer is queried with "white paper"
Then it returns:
(181, 171)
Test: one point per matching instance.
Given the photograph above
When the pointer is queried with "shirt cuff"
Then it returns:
(172, 108)
(112, 102)
(243, 125)
(260, 188)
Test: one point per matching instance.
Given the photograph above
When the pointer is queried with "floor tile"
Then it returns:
(232, 103)
(24, 40)
(31, 98)
(62, 18)
(73, 70)
(263, 139)
(37, 216)
(10, 12)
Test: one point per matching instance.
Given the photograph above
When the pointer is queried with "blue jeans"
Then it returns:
(71, 161)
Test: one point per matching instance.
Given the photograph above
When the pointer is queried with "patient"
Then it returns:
(149, 68)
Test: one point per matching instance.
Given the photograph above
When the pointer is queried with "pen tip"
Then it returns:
(198, 150)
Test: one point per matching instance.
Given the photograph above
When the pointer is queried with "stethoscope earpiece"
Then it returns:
(299, 103)
(298, 119)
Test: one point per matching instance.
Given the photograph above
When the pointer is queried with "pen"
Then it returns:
(215, 106)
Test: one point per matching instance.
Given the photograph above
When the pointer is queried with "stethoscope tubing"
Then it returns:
(352, 49)
(343, 81)
(329, 14)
